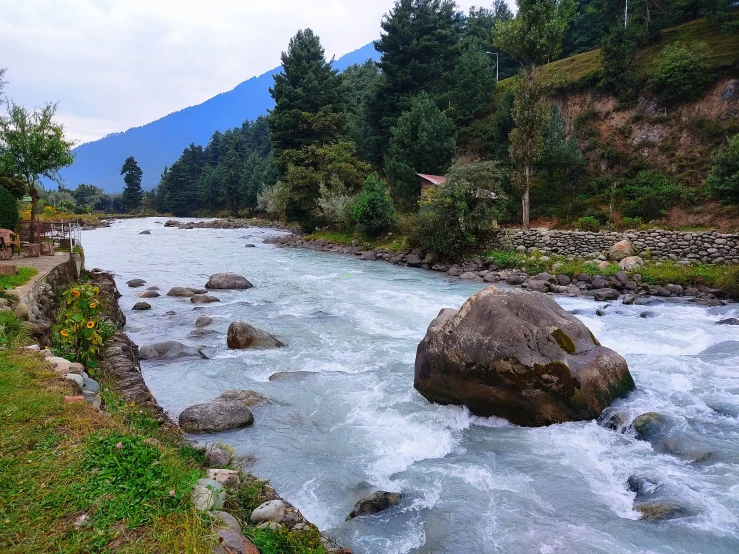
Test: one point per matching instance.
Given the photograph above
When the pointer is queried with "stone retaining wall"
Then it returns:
(41, 300)
(715, 248)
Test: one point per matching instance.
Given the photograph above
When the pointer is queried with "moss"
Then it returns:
(564, 341)
(592, 336)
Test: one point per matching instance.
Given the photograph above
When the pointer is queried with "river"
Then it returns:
(470, 485)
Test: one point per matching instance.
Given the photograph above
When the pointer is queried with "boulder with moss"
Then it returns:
(520, 356)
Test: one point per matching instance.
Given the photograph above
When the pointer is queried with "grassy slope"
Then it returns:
(11, 281)
(569, 71)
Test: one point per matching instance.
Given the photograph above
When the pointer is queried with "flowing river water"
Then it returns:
(470, 485)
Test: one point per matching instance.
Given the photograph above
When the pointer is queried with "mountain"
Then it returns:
(161, 142)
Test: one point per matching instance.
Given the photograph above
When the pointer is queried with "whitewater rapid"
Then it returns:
(470, 485)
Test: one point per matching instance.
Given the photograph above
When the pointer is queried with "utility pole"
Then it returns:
(626, 13)
(496, 63)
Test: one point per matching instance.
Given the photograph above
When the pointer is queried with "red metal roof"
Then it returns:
(433, 179)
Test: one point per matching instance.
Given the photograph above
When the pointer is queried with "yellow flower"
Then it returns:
(64, 333)
(75, 292)
(94, 305)
(96, 290)
(90, 324)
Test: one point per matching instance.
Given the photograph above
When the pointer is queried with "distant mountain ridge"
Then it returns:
(161, 142)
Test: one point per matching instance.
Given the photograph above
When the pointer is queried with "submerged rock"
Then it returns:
(228, 281)
(170, 350)
(203, 321)
(668, 437)
(242, 335)
(728, 321)
(291, 375)
(520, 356)
(141, 306)
(181, 292)
(377, 502)
(135, 283)
(148, 294)
(250, 398)
(204, 299)
(658, 510)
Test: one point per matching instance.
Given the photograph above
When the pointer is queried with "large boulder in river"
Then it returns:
(215, 417)
(374, 503)
(242, 335)
(228, 281)
(170, 350)
(520, 356)
(181, 292)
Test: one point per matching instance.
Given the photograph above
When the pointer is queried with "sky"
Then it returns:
(116, 64)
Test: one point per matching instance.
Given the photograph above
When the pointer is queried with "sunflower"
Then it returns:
(64, 333)
(94, 305)
(96, 290)
(90, 324)
(75, 292)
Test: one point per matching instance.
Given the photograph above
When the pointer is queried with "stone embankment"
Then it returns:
(601, 287)
(713, 248)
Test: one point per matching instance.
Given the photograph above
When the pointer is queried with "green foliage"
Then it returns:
(505, 259)
(374, 212)
(282, 541)
(473, 85)
(502, 126)
(534, 36)
(32, 145)
(13, 332)
(722, 182)
(8, 210)
(458, 215)
(337, 205)
(79, 329)
(361, 85)
(588, 223)
(617, 54)
(683, 72)
(133, 194)
(423, 141)
(649, 195)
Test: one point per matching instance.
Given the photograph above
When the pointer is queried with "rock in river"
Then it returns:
(141, 306)
(520, 356)
(374, 503)
(228, 281)
(204, 299)
(170, 350)
(215, 416)
(242, 335)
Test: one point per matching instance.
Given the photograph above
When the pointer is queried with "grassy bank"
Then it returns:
(8, 282)
(391, 243)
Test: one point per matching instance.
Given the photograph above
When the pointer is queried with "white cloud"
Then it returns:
(115, 64)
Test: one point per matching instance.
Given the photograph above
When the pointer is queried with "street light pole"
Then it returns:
(496, 64)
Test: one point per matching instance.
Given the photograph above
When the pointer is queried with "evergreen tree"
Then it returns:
(361, 85)
(474, 85)
(423, 141)
(133, 194)
(419, 47)
(723, 179)
(231, 178)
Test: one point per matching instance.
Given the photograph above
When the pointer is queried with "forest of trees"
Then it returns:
(425, 107)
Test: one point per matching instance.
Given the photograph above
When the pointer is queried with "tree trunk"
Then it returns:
(33, 193)
(525, 200)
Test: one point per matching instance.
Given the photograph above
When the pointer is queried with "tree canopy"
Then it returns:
(133, 194)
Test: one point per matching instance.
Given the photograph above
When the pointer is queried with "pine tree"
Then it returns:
(423, 141)
(133, 194)
(474, 85)
(231, 177)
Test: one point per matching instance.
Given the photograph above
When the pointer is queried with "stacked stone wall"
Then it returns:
(708, 247)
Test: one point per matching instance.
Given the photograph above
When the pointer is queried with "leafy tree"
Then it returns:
(502, 127)
(617, 54)
(477, 28)
(683, 72)
(32, 145)
(534, 37)
(474, 85)
(8, 209)
(231, 177)
(722, 182)
(419, 46)
(374, 212)
(423, 141)
(459, 215)
(133, 194)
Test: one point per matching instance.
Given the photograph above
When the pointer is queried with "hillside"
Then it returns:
(161, 142)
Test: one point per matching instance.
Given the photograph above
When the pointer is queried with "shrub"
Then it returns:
(336, 205)
(8, 210)
(722, 182)
(374, 212)
(588, 223)
(12, 331)
(506, 259)
(630, 223)
(683, 72)
(649, 195)
(79, 332)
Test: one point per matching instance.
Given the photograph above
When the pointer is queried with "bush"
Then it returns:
(8, 210)
(630, 223)
(588, 223)
(722, 182)
(683, 72)
(649, 195)
(337, 205)
(374, 212)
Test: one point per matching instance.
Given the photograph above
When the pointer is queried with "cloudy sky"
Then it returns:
(116, 64)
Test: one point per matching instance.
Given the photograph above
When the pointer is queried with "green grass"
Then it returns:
(13, 332)
(725, 277)
(568, 72)
(391, 242)
(12, 281)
